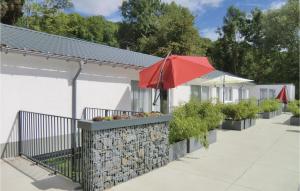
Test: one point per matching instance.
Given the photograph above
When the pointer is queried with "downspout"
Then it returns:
(74, 90)
(223, 89)
(74, 122)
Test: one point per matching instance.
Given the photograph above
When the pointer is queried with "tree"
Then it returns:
(140, 19)
(228, 51)
(156, 28)
(263, 46)
(11, 10)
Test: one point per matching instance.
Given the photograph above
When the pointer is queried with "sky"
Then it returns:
(208, 13)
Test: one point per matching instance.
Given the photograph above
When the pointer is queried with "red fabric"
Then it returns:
(282, 96)
(176, 71)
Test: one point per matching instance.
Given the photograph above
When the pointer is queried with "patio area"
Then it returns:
(265, 157)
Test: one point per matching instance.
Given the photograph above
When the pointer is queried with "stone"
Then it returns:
(117, 155)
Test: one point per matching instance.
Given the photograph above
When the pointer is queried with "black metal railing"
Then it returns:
(90, 113)
(51, 141)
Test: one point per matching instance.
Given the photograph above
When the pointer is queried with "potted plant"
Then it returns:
(294, 107)
(269, 108)
(192, 127)
(233, 117)
(250, 110)
(211, 117)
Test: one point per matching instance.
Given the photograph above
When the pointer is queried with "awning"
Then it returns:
(219, 78)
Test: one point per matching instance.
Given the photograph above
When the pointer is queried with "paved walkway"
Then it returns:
(263, 158)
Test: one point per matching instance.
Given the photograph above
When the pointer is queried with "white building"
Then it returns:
(61, 76)
(270, 91)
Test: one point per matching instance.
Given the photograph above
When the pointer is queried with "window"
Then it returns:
(200, 92)
(204, 93)
(243, 93)
(218, 93)
(228, 94)
(196, 92)
(263, 93)
(141, 98)
(271, 93)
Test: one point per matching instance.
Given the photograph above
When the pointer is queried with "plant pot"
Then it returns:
(212, 136)
(193, 144)
(233, 125)
(295, 121)
(246, 123)
(177, 150)
(268, 115)
(252, 122)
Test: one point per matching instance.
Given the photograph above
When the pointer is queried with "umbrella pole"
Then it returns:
(164, 101)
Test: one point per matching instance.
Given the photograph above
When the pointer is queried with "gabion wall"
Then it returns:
(115, 155)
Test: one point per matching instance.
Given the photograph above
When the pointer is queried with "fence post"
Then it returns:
(20, 132)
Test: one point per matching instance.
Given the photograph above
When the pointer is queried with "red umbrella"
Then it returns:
(174, 71)
(282, 96)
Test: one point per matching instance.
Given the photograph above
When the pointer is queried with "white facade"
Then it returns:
(266, 91)
(43, 85)
(183, 93)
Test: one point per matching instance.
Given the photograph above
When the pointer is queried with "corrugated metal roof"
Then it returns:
(20, 38)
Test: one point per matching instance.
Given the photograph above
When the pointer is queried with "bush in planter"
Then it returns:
(269, 105)
(186, 123)
(294, 107)
(234, 112)
(249, 109)
(211, 114)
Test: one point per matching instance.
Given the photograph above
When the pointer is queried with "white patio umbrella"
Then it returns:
(219, 78)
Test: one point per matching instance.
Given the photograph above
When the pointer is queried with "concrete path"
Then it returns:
(19, 174)
(263, 158)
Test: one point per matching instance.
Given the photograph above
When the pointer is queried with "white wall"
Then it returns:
(255, 90)
(182, 94)
(104, 87)
(36, 84)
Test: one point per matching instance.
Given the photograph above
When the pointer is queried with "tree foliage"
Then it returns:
(156, 28)
(11, 10)
(260, 46)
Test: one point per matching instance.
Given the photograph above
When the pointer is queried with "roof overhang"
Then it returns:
(6, 49)
(219, 80)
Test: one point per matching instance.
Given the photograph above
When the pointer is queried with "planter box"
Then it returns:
(233, 125)
(212, 136)
(252, 122)
(295, 121)
(193, 144)
(268, 115)
(247, 123)
(177, 150)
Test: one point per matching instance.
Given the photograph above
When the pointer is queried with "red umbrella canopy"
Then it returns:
(282, 96)
(176, 70)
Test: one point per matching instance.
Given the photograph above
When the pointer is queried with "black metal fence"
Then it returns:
(90, 113)
(51, 141)
(55, 141)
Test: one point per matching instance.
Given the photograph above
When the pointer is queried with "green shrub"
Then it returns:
(294, 107)
(211, 114)
(269, 105)
(194, 119)
(249, 109)
(232, 112)
(242, 110)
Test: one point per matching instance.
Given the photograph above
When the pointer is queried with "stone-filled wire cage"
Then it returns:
(119, 150)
